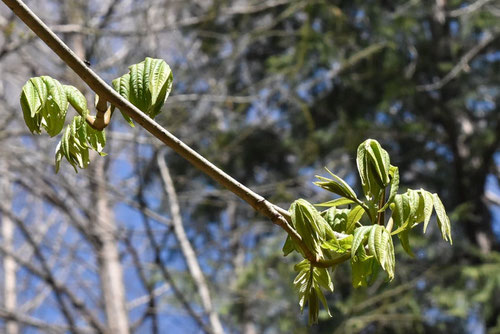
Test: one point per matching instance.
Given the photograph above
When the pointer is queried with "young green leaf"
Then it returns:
(353, 217)
(379, 161)
(381, 246)
(31, 105)
(54, 107)
(44, 104)
(77, 100)
(147, 85)
(122, 86)
(310, 225)
(442, 219)
(336, 202)
(358, 238)
(337, 186)
(289, 246)
(428, 200)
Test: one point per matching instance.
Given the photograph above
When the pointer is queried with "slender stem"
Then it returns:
(381, 215)
(107, 93)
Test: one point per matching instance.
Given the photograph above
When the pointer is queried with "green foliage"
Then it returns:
(45, 103)
(146, 85)
(335, 232)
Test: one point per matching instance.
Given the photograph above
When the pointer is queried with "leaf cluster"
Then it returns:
(361, 232)
(45, 102)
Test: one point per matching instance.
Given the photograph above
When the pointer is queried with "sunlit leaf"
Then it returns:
(336, 202)
(353, 217)
(147, 86)
(442, 219)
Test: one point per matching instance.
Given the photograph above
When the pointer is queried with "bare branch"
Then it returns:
(461, 66)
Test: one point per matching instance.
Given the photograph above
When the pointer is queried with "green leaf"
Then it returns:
(405, 242)
(147, 86)
(95, 138)
(336, 202)
(289, 246)
(394, 174)
(442, 219)
(31, 105)
(337, 186)
(358, 238)
(77, 100)
(44, 104)
(379, 160)
(54, 107)
(428, 200)
(322, 277)
(381, 247)
(400, 212)
(373, 165)
(122, 86)
(339, 246)
(364, 271)
(336, 218)
(310, 225)
(353, 217)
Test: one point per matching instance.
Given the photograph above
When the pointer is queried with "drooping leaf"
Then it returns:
(31, 105)
(289, 246)
(381, 247)
(96, 139)
(442, 219)
(77, 100)
(405, 242)
(428, 200)
(54, 107)
(44, 104)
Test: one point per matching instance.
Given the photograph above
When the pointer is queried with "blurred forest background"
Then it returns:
(271, 91)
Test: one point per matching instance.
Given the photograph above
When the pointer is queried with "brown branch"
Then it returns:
(186, 247)
(259, 203)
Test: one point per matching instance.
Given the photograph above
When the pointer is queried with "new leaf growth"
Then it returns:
(345, 234)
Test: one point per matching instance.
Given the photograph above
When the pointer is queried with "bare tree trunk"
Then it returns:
(8, 264)
(102, 225)
(187, 248)
(108, 257)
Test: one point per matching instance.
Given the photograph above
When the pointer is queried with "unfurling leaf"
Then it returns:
(44, 105)
(337, 186)
(308, 284)
(147, 86)
(373, 165)
(310, 225)
(76, 141)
